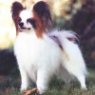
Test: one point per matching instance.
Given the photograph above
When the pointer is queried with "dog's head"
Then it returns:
(38, 18)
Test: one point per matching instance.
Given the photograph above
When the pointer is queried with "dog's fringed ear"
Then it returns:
(41, 9)
(16, 8)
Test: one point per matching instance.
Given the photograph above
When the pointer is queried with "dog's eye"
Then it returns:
(32, 22)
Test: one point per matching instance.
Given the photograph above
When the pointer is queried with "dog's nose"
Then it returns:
(21, 24)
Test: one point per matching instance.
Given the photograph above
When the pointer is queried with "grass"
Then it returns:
(9, 85)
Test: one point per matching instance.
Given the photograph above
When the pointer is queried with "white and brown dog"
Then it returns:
(42, 52)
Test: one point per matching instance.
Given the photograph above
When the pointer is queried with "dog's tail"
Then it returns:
(72, 58)
(72, 55)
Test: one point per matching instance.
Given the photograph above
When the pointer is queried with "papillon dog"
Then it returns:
(43, 52)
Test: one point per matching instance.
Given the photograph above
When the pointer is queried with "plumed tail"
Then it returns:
(73, 62)
(70, 35)
(72, 56)
(73, 59)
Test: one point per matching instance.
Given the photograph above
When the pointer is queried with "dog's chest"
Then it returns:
(33, 52)
(26, 46)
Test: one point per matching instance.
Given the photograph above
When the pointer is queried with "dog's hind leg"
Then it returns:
(81, 78)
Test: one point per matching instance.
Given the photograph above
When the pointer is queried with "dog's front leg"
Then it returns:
(43, 77)
(24, 79)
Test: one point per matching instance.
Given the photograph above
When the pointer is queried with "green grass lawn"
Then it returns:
(10, 86)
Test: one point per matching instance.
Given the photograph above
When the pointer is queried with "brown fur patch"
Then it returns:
(42, 16)
(39, 25)
(16, 19)
(42, 12)
(16, 9)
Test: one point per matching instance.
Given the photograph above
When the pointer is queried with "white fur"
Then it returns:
(39, 59)
(24, 15)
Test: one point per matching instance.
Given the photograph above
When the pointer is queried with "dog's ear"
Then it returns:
(41, 9)
(16, 8)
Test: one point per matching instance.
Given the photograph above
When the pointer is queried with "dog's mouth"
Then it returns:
(22, 28)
